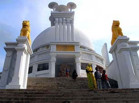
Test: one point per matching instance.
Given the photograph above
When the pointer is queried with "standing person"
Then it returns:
(67, 71)
(98, 78)
(74, 75)
(91, 78)
(105, 82)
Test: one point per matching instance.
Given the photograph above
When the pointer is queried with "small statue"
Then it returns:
(25, 31)
(116, 31)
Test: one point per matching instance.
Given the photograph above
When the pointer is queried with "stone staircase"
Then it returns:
(57, 83)
(66, 90)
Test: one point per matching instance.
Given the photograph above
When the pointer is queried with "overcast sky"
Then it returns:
(93, 17)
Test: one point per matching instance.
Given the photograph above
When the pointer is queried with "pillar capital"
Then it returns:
(77, 58)
(60, 20)
(68, 20)
(56, 19)
(53, 57)
(23, 44)
(120, 41)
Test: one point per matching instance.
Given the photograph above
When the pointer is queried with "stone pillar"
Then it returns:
(135, 59)
(35, 66)
(56, 30)
(53, 47)
(26, 70)
(117, 71)
(68, 29)
(122, 59)
(52, 65)
(78, 65)
(64, 30)
(77, 47)
(7, 69)
(133, 80)
(72, 30)
(60, 29)
(19, 80)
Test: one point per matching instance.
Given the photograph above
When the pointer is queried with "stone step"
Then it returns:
(71, 93)
(57, 83)
(64, 97)
(71, 101)
(45, 97)
(68, 93)
(73, 90)
(58, 90)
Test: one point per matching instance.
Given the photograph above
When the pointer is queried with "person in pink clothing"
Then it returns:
(104, 79)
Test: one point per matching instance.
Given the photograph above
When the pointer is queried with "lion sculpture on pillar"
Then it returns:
(116, 31)
(25, 31)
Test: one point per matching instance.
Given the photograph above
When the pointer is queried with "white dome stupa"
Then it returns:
(62, 46)
(48, 36)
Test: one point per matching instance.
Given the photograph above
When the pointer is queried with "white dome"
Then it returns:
(48, 36)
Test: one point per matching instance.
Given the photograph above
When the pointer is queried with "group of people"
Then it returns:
(95, 81)
(74, 74)
(98, 81)
(102, 79)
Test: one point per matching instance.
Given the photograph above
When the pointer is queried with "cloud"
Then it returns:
(7, 33)
(95, 19)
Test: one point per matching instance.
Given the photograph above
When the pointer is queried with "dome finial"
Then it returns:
(53, 5)
(62, 8)
(71, 5)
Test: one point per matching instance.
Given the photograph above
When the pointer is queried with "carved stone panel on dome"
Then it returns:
(87, 56)
(44, 48)
(65, 48)
(43, 56)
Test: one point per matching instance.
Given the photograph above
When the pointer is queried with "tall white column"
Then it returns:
(72, 30)
(18, 75)
(19, 79)
(56, 30)
(52, 65)
(134, 82)
(26, 71)
(68, 29)
(64, 30)
(124, 69)
(5, 73)
(117, 71)
(60, 29)
(35, 66)
(135, 60)
(78, 65)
